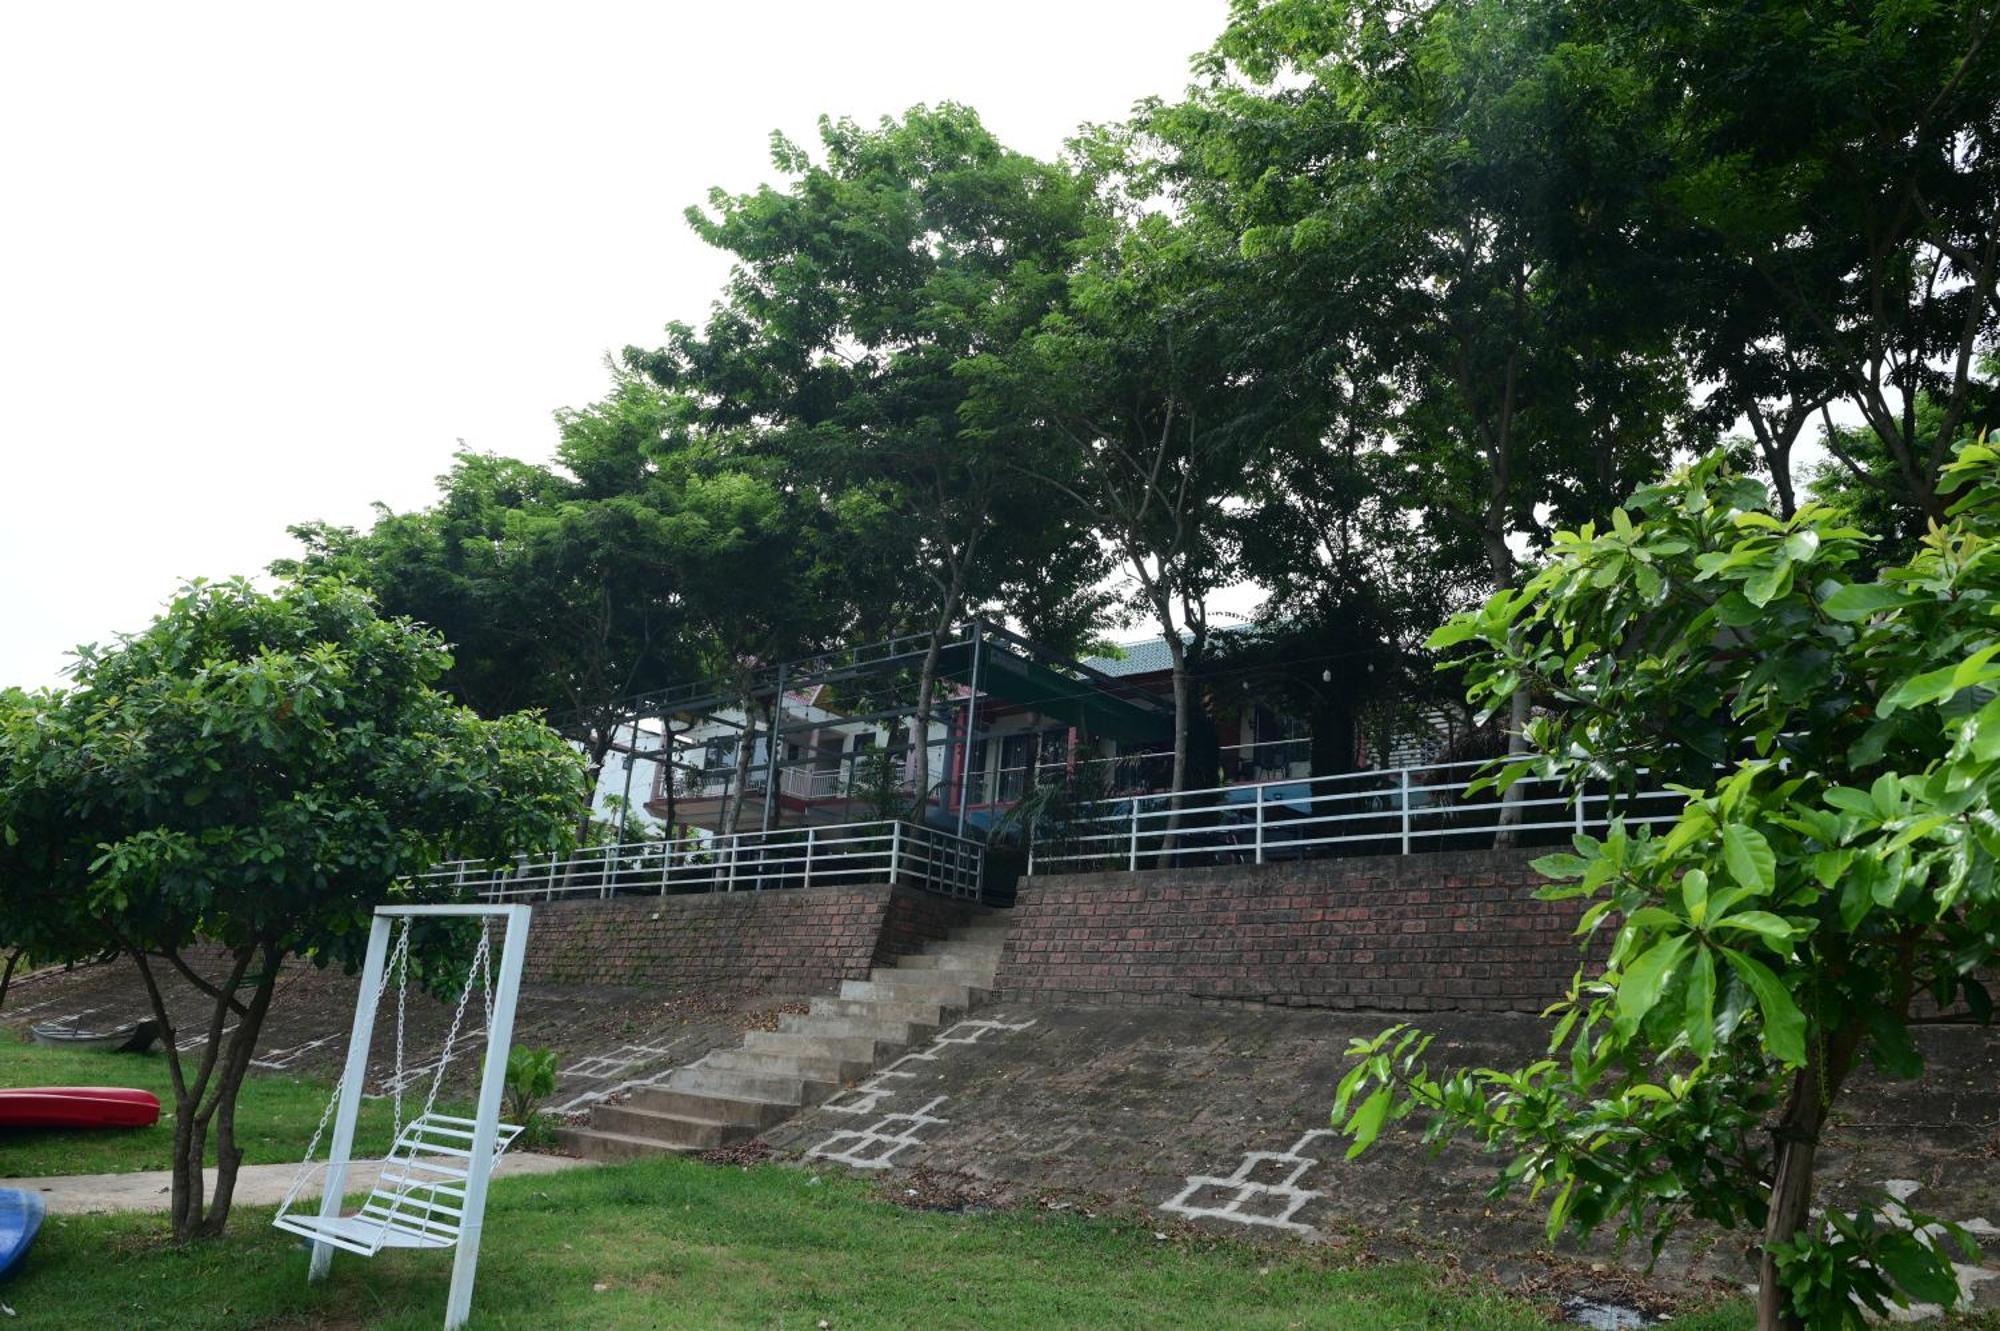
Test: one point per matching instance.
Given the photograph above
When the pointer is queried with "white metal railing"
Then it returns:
(1273, 759)
(1394, 810)
(875, 852)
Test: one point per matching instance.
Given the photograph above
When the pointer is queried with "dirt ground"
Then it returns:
(606, 1038)
(1212, 1116)
(1217, 1116)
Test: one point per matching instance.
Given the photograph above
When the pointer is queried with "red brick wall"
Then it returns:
(792, 941)
(916, 918)
(1399, 933)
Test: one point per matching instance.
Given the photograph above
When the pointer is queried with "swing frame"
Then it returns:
(492, 1085)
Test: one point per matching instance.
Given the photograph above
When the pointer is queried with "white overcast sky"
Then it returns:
(265, 263)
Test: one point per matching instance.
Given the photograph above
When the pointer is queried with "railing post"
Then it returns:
(550, 894)
(895, 851)
(807, 880)
(729, 882)
(1579, 808)
(1260, 822)
(1132, 864)
(666, 861)
(1403, 788)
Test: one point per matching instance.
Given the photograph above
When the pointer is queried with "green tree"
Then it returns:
(1436, 199)
(1828, 884)
(859, 288)
(255, 772)
(1135, 413)
(1826, 182)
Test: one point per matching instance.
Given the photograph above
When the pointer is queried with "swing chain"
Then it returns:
(306, 1168)
(402, 1007)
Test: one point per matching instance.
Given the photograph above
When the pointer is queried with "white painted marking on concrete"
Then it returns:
(1247, 1200)
(278, 1060)
(197, 1041)
(598, 1067)
(877, 1145)
(869, 1095)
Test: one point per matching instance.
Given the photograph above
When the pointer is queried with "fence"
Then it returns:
(1387, 811)
(845, 853)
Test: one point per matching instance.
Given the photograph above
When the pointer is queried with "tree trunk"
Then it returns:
(920, 726)
(746, 745)
(673, 778)
(1183, 714)
(1814, 1088)
(596, 750)
(1332, 736)
(235, 1066)
(7, 976)
(1500, 563)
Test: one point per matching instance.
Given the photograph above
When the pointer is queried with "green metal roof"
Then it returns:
(1082, 703)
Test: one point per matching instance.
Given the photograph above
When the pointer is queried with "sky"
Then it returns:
(261, 264)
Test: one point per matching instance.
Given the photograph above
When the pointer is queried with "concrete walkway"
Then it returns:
(256, 1185)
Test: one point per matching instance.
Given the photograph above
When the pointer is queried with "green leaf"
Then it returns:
(1768, 583)
(1784, 1024)
(1976, 669)
(1560, 867)
(1765, 925)
(1366, 1125)
(1749, 858)
(1860, 600)
(1699, 1016)
(1919, 1270)
(1639, 988)
(1694, 893)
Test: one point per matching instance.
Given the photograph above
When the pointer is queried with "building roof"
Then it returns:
(1144, 657)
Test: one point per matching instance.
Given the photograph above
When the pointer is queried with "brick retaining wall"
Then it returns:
(1399, 933)
(792, 941)
(916, 918)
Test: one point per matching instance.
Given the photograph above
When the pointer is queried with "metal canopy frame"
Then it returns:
(993, 663)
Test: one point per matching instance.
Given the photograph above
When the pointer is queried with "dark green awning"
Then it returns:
(1082, 703)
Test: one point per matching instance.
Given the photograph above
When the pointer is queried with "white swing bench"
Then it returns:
(418, 1200)
(430, 1189)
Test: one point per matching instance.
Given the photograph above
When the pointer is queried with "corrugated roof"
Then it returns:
(1144, 657)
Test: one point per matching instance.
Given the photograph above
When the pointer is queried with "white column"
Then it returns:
(342, 1149)
(492, 1081)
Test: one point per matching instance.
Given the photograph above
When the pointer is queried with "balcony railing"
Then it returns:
(846, 853)
(1387, 811)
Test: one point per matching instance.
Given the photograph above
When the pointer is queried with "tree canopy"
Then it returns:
(254, 773)
(1828, 885)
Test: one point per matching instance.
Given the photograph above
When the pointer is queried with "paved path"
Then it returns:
(256, 1185)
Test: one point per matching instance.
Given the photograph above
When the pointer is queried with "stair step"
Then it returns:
(851, 1048)
(592, 1144)
(675, 1130)
(750, 1111)
(911, 986)
(872, 1027)
(821, 1066)
(917, 1014)
(948, 961)
(705, 1079)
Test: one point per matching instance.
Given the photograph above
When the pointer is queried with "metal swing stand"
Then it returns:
(492, 1083)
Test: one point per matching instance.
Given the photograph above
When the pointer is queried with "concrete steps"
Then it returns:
(731, 1095)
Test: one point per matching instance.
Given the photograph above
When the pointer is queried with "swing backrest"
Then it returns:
(419, 1196)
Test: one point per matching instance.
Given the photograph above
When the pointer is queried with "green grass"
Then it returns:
(673, 1243)
(274, 1119)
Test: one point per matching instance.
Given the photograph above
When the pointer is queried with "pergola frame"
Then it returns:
(974, 650)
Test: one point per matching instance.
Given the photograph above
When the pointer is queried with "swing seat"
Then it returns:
(418, 1200)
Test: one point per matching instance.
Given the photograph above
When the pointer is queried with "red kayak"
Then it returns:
(78, 1107)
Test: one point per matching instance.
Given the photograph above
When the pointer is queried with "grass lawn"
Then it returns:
(674, 1243)
(274, 1120)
